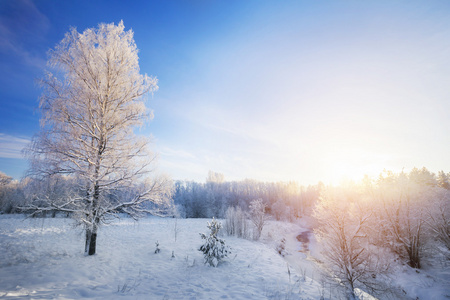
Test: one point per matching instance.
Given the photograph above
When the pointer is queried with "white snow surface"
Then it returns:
(44, 259)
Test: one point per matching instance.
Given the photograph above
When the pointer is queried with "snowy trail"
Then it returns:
(297, 255)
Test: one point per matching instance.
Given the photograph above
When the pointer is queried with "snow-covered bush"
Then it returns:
(279, 210)
(214, 248)
(258, 216)
(11, 194)
(236, 222)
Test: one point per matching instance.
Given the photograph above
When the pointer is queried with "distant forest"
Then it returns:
(190, 199)
(284, 200)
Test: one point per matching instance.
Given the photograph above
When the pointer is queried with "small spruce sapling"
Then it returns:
(214, 248)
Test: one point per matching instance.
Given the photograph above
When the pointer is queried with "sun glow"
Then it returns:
(347, 171)
(353, 164)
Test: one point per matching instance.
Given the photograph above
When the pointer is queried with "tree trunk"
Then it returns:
(91, 242)
(351, 295)
(351, 288)
(414, 253)
(91, 232)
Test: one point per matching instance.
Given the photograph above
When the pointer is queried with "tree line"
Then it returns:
(188, 199)
(284, 200)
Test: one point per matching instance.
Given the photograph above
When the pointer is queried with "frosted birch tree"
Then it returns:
(402, 215)
(438, 218)
(344, 220)
(91, 104)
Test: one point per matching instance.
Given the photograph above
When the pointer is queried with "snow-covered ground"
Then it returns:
(43, 259)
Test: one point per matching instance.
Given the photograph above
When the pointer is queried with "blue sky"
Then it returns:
(269, 90)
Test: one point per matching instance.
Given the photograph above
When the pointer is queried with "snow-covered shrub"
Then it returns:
(236, 222)
(214, 248)
(279, 209)
(11, 194)
(258, 216)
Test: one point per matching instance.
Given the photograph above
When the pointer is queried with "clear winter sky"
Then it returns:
(268, 90)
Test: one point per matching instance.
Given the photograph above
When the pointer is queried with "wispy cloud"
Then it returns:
(180, 162)
(175, 153)
(11, 146)
(22, 23)
(221, 120)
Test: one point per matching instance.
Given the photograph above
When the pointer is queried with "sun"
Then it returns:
(354, 164)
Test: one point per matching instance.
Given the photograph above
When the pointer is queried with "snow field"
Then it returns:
(43, 259)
